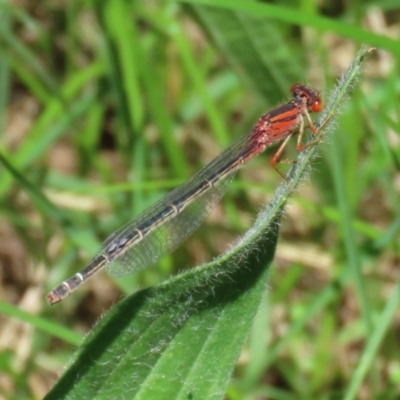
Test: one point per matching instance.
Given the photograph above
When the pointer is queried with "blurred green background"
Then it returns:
(106, 106)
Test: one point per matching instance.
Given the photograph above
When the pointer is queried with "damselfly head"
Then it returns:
(309, 97)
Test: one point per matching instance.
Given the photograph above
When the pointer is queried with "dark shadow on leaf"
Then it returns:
(169, 305)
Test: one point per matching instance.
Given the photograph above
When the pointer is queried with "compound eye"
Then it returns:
(317, 105)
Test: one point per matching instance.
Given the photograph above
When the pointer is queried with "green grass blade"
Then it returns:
(41, 323)
(289, 15)
(217, 125)
(256, 48)
(39, 142)
(375, 339)
(39, 199)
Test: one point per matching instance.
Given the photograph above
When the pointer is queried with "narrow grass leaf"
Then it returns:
(375, 339)
(295, 17)
(43, 324)
(255, 47)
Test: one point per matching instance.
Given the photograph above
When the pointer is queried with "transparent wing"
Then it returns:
(174, 229)
(168, 236)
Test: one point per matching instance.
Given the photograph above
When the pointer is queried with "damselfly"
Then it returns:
(161, 228)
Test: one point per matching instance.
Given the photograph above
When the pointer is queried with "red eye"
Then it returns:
(317, 105)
